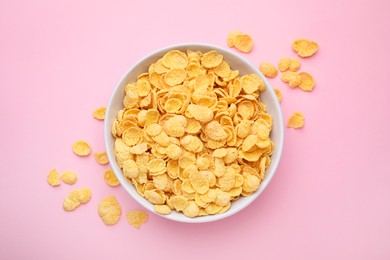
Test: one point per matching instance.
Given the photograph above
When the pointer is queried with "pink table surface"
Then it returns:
(330, 197)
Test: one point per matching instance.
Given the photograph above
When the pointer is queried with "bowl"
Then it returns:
(236, 62)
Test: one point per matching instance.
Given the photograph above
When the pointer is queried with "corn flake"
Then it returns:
(268, 69)
(296, 120)
(109, 210)
(304, 47)
(69, 177)
(81, 148)
(307, 81)
(101, 158)
(99, 113)
(53, 178)
(243, 43)
(136, 218)
(110, 178)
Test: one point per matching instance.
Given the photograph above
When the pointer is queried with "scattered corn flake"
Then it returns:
(109, 210)
(99, 113)
(307, 81)
(304, 47)
(75, 198)
(136, 218)
(69, 177)
(81, 148)
(296, 120)
(231, 38)
(292, 78)
(101, 158)
(268, 69)
(243, 43)
(53, 178)
(284, 64)
(295, 65)
(110, 178)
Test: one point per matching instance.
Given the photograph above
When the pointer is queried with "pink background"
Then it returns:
(330, 197)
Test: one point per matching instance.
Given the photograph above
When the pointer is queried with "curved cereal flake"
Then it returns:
(215, 131)
(284, 64)
(307, 81)
(174, 151)
(249, 142)
(175, 59)
(139, 148)
(162, 209)
(221, 152)
(179, 202)
(231, 38)
(211, 59)
(173, 105)
(130, 169)
(246, 109)
(292, 78)
(223, 70)
(193, 69)
(110, 178)
(132, 136)
(81, 148)
(268, 69)
(304, 47)
(160, 181)
(252, 82)
(156, 165)
(244, 128)
(295, 65)
(244, 43)
(296, 120)
(99, 113)
(153, 130)
(193, 126)
(199, 182)
(109, 210)
(251, 182)
(191, 210)
(191, 143)
(69, 177)
(155, 196)
(53, 178)
(136, 218)
(143, 88)
(101, 158)
(175, 76)
(222, 198)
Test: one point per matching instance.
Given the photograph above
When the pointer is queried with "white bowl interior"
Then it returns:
(237, 63)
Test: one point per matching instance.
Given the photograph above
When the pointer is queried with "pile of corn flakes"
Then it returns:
(193, 135)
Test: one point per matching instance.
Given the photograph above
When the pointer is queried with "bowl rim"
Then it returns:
(276, 156)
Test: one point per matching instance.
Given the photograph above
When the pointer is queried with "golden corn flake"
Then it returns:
(231, 38)
(109, 210)
(81, 148)
(292, 78)
(101, 158)
(75, 198)
(284, 64)
(296, 120)
(99, 113)
(278, 94)
(189, 128)
(162, 209)
(243, 43)
(307, 81)
(251, 83)
(211, 59)
(136, 218)
(304, 47)
(110, 178)
(53, 178)
(268, 69)
(69, 177)
(295, 65)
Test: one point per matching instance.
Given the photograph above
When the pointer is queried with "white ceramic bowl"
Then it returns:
(236, 62)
